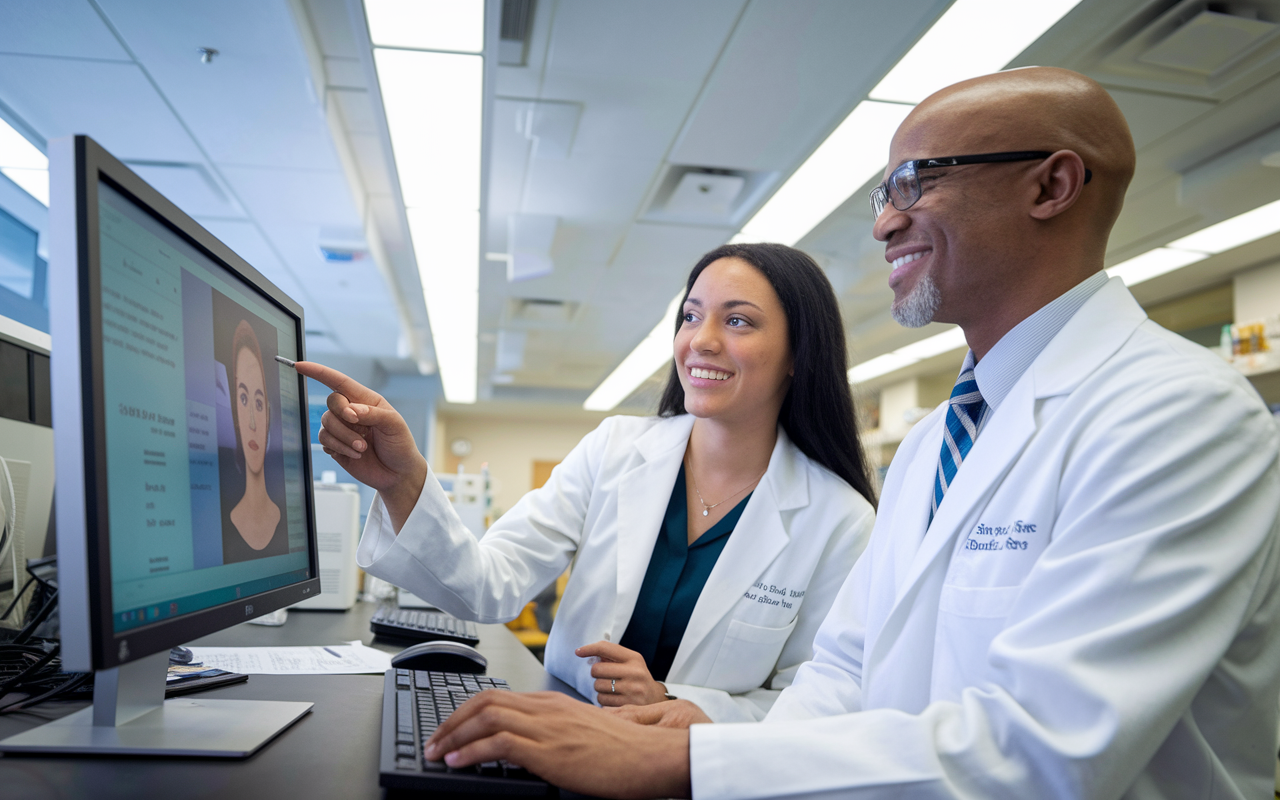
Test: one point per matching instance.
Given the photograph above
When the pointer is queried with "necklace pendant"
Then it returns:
(705, 512)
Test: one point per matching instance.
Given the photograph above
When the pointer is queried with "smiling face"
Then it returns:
(252, 410)
(732, 351)
(959, 239)
(1000, 240)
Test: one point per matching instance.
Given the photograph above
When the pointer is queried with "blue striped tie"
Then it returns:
(964, 414)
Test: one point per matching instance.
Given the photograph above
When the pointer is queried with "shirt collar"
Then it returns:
(1004, 364)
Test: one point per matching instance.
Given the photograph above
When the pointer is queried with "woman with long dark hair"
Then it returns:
(707, 542)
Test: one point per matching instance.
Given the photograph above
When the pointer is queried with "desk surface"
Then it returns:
(331, 752)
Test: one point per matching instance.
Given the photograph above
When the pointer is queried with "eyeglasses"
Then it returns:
(903, 186)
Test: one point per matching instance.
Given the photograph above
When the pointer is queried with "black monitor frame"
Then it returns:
(89, 639)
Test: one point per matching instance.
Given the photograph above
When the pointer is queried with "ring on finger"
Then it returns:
(613, 685)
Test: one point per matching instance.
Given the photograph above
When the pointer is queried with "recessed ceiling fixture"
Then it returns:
(648, 357)
(23, 163)
(431, 76)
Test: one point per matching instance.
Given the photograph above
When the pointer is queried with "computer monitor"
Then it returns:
(182, 460)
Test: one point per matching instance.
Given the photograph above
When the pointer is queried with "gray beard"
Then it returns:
(917, 309)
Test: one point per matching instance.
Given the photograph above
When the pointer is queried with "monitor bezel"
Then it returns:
(106, 647)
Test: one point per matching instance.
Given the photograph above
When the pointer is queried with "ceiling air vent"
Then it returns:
(1198, 49)
(513, 40)
(705, 195)
(541, 313)
(1209, 42)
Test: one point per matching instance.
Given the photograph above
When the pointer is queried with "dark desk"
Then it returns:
(330, 753)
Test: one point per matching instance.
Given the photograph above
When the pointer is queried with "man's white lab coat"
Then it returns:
(1092, 614)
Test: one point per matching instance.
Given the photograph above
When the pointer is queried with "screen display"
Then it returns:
(204, 429)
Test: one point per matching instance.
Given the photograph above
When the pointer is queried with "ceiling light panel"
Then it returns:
(974, 37)
(1240, 229)
(880, 365)
(454, 25)
(1154, 263)
(434, 104)
(648, 357)
(23, 163)
(854, 152)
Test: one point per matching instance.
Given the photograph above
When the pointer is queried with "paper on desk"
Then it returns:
(336, 659)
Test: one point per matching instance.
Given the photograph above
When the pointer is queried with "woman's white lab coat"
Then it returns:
(601, 511)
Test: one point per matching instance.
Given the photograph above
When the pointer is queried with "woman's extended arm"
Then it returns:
(414, 538)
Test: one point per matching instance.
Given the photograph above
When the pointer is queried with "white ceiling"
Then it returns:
(278, 143)
(241, 144)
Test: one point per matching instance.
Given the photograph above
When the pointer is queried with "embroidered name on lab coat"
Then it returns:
(999, 538)
(771, 595)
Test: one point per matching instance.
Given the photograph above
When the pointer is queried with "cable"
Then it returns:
(41, 616)
(73, 683)
(18, 596)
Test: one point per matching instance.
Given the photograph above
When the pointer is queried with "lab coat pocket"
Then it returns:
(969, 619)
(748, 655)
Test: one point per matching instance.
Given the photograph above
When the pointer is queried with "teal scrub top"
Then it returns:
(677, 572)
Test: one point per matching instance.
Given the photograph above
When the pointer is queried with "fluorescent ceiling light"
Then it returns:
(940, 343)
(435, 108)
(1152, 263)
(1226, 235)
(907, 355)
(854, 152)
(443, 245)
(649, 356)
(456, 25)
(974, 37)
(23, 163)
(1231, 233)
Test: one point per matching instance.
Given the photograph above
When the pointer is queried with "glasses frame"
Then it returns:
(881, 197)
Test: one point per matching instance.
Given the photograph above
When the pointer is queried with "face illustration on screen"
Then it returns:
(256, 515)
(251, 409)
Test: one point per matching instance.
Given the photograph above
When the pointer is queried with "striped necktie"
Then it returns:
(964, 414)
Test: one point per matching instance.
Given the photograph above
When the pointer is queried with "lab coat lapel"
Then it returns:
(906, 639)
(643, 494)
(756, 541)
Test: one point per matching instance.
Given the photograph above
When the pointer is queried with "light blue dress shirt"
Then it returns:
(1004, 364)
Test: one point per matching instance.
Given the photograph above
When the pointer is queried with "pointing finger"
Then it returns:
(338, 382)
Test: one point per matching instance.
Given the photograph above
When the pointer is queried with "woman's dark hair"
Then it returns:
(817, 412)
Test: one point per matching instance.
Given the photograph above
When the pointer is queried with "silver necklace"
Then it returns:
(706, 509)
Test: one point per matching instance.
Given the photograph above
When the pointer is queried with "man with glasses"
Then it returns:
(1071, 588)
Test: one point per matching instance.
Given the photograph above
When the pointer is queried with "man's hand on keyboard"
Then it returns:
(669, 714)
(568, 743)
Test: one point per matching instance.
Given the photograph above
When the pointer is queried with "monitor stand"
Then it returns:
(130, 717)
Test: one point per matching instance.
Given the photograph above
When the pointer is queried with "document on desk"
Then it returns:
(336, 659)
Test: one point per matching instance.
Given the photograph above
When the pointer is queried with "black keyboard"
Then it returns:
(413, 706)
(423, 626)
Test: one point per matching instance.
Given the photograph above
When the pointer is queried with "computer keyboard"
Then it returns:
(423, 626)
(414, 703)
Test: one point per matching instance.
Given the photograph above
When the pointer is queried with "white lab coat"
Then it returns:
(1119, 639)
(601, 510)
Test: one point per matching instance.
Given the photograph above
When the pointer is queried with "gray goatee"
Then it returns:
(917, 309)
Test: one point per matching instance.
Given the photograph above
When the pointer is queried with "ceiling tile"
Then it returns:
(67, 28)
(790, 74)
(112, 102)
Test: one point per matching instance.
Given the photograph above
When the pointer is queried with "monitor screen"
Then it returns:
(204, 430)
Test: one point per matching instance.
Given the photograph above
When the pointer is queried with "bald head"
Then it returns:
(984, 245)
(1035, 108)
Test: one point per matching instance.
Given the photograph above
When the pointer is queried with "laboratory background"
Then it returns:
(488, 208)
